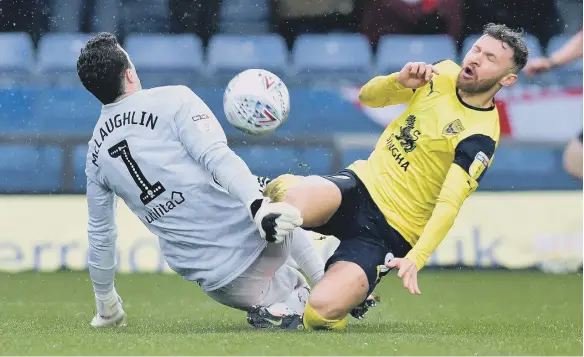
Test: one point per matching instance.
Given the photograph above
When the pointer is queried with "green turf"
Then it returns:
(459, 313)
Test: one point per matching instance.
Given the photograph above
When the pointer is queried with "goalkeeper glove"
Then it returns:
(275, 221)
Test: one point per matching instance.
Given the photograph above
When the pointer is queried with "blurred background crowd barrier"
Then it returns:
(324, 51)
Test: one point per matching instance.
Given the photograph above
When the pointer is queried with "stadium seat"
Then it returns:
(144, 16)
(57, 57)
(395, 51)
(244, 27)
(64, 111)
(352, 155)
(16, 59)
(526, 169)
(166, 59)
(79, 178)
(30, 169)
(244, 17)
(16, 109)
(571, 73)
(244, 10)
(343, 56)
(275, 161)
(229, 55)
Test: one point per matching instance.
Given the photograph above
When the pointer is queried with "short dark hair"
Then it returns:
(514, 39)
(101, 67)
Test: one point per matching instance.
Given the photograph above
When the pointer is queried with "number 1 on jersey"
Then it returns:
(148, 191)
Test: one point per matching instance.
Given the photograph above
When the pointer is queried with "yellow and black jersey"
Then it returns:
(429, 159)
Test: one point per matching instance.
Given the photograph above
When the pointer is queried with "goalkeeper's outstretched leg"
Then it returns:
(272, 292)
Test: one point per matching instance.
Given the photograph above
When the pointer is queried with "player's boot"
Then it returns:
(109, 313)
(360, 311)
(261, 317)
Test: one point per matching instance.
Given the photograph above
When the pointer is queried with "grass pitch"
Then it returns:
(459, 312)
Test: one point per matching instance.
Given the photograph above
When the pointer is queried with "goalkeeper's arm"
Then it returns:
(472, 158)
(102, 235)
(205, 141)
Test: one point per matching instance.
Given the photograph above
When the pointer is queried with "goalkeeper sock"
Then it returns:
(102, 277)
(303, 253)
(104, 291)
(291, 263)
(294, 304)
(313, 320)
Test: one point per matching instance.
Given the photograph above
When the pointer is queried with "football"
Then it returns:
(256, 102)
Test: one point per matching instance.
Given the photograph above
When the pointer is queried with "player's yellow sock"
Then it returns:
(313, 320)
(276, 190)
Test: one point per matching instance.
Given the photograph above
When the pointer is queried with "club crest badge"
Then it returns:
(453, 128)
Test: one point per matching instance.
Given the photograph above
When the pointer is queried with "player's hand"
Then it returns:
(537, 65)
(408, 272)
(275, 221)
(416, 74)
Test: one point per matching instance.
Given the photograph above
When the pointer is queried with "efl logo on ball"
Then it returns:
(256, 102)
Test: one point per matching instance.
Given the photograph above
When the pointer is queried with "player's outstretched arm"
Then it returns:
(397, 88)
(567, 53)
(471, 160)
(203, 137)
(102, 235)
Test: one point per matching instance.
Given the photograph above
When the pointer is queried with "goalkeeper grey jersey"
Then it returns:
(165, 154)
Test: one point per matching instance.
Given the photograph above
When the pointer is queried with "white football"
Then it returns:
(256, 102)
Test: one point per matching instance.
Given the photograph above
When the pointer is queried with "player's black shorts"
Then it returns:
(366, 237)
(580, 136)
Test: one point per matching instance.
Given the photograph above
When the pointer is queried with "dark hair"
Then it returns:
(513, 39)
(101, 67)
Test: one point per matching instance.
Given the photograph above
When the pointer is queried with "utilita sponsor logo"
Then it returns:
(156, 212)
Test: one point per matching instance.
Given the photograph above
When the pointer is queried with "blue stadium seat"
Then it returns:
(64, 111)
(57, 57)
(79, 178)
(16, 109)
(352, 155)
(25, 168)
(16, 58)
(244, 10)
(166, 59)
(275, 161)
(244, 27)
(244, 17)
(528, 168)
(229, 55)
(343, 56)
(144, 16)
(571, 73)
(396, 50)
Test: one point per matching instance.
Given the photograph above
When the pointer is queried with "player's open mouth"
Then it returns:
(467, 73)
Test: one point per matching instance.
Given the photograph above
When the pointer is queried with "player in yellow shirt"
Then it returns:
(393, 209)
